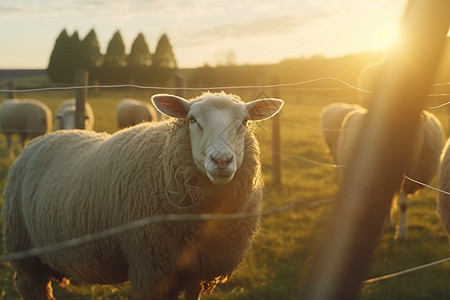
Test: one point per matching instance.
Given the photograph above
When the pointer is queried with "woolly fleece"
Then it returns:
(424, 155)
(131, 112)
(71, 183)
(27, 117)
(331, 118)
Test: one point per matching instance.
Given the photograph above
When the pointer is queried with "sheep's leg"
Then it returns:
(22, 139)
(151, 282)
(402, 203)
(193, 290)
(32, 282)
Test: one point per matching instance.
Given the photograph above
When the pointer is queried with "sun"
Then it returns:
(385, 37)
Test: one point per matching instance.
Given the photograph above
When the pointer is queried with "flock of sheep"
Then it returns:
(341, 124)
(29, 118)
(72, 183)
(203, 160)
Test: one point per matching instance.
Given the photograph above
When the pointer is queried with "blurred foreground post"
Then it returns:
(376, 170)
(82, 79)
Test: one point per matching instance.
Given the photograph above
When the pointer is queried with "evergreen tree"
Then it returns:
(164, 56)
(139, 61)
(164, 63)
(90, 51)
(113, 69)
(64, 58)
(56, 62)
(73, 53)
(140, 54)
(115, 53)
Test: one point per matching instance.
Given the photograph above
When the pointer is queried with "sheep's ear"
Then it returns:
(263, 109)
(170, 105)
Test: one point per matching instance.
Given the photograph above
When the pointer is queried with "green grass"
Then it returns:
(278, 263)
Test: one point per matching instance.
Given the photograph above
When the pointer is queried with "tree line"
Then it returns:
(139, 66)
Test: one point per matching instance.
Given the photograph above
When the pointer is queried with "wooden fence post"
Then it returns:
(11, 88)
(82, 79)
(276, 146)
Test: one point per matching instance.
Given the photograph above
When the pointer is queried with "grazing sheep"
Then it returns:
(72, 183)
(330, 119)
(443, 199)
(66, 115)
(422, 165)
(28, 118)
(130, 112)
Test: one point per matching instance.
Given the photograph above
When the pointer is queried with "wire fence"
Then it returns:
(201, 217)
(211, 88)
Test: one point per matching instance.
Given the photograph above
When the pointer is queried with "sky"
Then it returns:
(202, 31)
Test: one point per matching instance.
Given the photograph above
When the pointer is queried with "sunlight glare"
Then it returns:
(386, 37)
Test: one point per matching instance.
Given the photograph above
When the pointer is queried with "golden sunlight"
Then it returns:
(386, 36)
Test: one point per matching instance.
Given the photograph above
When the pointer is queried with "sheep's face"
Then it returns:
(67, 118)
(217, 127)
(217, 138)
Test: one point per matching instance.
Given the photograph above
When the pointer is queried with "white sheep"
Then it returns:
(443, 199)
(72, 183)
(331, 118)
(28, 118)
(130, 112)
(422, 165)
(65, 115)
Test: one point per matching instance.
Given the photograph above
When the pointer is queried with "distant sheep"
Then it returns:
(423, 163)
(28, 118)
(72, 183)
(130, 112)
(443, 199)
(331, 118)
(65, 115)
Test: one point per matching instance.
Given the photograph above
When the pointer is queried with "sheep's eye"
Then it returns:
(243, 125)
(193, 120)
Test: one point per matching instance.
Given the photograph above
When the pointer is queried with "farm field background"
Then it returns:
(278, 263)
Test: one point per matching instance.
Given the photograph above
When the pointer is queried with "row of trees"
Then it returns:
(115, 66)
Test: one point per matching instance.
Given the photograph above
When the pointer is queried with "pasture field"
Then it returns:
(278, 263)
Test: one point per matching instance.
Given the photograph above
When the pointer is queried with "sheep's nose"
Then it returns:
(222, 162)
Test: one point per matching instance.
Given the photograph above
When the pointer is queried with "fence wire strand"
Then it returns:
(202, 217)
(141, 223)
(407, 271)
(212, 88)
(269, 86)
